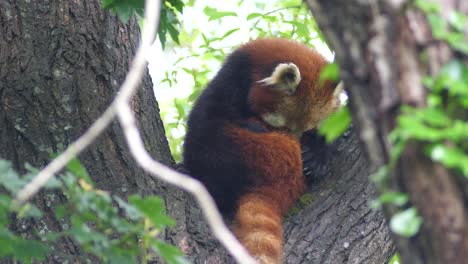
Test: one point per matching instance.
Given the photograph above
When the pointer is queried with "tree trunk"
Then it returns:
(378, 46)
(332, 222)
(61, 63)
(336, 224)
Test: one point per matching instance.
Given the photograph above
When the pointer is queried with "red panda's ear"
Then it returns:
(339, 88)
(285, 77)
(336, 100)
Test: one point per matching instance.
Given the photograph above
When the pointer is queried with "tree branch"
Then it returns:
(121, 107)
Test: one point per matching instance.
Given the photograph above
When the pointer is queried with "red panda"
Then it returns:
(243, 136)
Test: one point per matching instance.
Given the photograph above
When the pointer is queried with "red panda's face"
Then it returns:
(286, 91)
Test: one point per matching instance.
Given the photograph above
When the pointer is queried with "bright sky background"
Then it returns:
(194, 18)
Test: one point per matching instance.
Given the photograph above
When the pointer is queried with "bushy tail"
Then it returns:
(258, 227)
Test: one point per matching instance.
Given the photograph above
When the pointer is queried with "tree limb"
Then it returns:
(120, 106)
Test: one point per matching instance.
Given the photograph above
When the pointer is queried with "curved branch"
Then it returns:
(120, 106)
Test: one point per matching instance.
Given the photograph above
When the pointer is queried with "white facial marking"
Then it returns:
(276, 120)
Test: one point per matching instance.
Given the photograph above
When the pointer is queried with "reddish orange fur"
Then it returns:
(265, 131)
(259, 228)
(278, 164)
(275, 156)
(310, 94)
(280, 182)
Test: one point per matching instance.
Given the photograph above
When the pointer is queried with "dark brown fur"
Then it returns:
(243, 136)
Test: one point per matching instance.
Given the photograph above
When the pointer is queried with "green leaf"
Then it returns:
(453, 70)
(301, 29)
(124, 13)
(388, 197)
(5, 202)
(451, 157)
(9, 178)
(253, 15)
(330, 72)
(335, 125)
(215, 14)
(60, 211)
(26, 250)
(178, 5)
(75, 167)
(229, 33)
(106, 3)
(6, 240)
(271, 19)
(406, 223)
(124, 8)
(460, 45)
(173, 32)
(123, 3)
(205, 40)
(180, 107)
(83, 234)
(438, 26)
(395, 259)
(52, 183)
(153, 208)
(29, 210)
(458, 20)
(132, 212)
(428, 6)
(118, 256)
(380, 175)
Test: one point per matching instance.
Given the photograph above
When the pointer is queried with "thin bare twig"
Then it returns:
(120, 107)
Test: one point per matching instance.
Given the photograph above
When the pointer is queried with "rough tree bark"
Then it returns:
(337, 226)
(61, 63)
(333, 222)
(379, 54)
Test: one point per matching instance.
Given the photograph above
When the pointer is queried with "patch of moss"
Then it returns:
(306, 199)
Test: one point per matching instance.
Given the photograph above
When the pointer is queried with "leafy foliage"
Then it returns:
(406, 223)
(395, 259)
(215, 14)
(124, 9)
(105, 227)
(336, 124)
(169, 22)
(451, 30)
(395, 198)
(441, 126)
(330, 72)
(203, 49)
